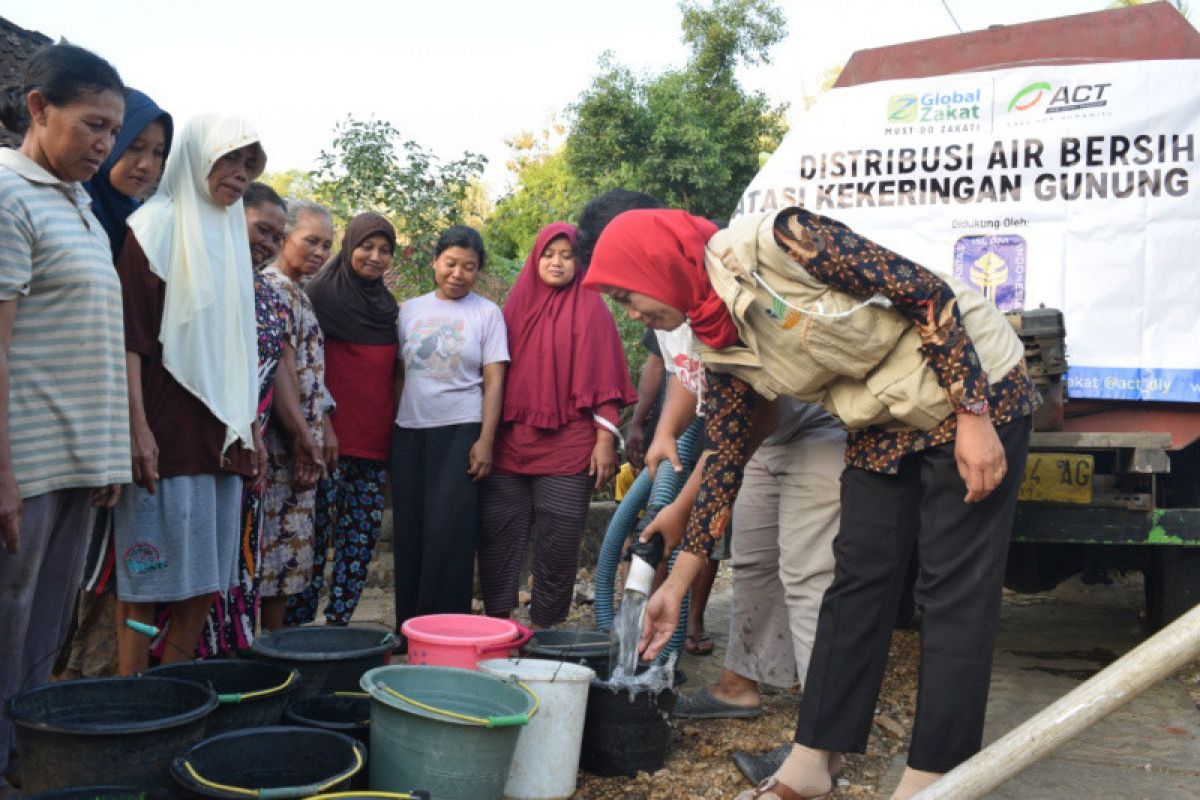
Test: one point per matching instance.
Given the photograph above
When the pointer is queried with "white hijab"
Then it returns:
(202, 253)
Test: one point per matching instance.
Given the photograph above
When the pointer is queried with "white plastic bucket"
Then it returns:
(546, 761)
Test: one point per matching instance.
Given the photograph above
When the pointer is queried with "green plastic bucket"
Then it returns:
(449, 731)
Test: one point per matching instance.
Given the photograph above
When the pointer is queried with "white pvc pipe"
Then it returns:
(1148, 663)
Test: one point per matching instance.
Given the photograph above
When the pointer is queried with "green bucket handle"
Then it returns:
(239, 697)
(503, 721)
(183, 765)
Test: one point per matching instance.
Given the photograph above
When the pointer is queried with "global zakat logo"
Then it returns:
(1050, 99)
(902, 108)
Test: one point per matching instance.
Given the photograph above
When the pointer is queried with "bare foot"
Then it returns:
(913, 781)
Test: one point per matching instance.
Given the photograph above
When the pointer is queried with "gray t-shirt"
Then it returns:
(445, 344)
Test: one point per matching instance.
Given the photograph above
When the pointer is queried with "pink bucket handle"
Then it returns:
(523, 635)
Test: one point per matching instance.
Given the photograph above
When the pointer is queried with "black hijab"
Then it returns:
(349, 307)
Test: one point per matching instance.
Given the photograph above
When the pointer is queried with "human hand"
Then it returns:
(106, 496)
(635, 445)
(329, 450)
(10, 511)
(145, 455)
(670, 523)
(604, 459)
(307, 465)
(980, 456)
(479, 460)
(660, 620)
(260, 454)
(663, 448)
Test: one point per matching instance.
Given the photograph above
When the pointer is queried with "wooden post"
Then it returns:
(1127, 677)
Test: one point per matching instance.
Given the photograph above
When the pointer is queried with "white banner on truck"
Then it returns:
(1069, 186)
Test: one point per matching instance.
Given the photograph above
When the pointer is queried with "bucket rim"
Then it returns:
(368, 683)
(560, 671)
(93, 729)
(290, 676)
(262, 644)
(293, 715)
(511, 635)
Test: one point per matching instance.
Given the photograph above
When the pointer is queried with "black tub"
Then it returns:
(348, 713)
(589, 648)
(103, 793)
(330, 658)
(115, 731)
(622, 736)
(251, 694)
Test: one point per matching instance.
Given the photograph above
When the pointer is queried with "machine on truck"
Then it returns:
(1112, 483)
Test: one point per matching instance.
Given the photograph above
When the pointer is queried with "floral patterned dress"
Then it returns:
(287, 533)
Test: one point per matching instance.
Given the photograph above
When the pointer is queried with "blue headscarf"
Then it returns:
(110, 206)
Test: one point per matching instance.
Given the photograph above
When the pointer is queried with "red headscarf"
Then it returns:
(660, 253)
(566, 354)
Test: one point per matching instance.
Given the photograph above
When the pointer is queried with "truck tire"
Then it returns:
(1172, 584)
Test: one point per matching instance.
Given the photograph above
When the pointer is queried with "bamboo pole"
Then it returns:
(1127, 677)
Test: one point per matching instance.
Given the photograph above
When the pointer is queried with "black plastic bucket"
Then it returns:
(103, 793)
(330, 658)
(589, 648)
(623, 735)
(278, 762)
(115, 731)
(252, 694)
(347, 713)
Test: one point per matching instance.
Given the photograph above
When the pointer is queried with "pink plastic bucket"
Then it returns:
(461, 640)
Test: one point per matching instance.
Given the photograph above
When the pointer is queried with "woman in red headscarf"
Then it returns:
(556, 441)
(930, 381)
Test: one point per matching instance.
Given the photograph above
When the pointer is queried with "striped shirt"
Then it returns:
(68, 412)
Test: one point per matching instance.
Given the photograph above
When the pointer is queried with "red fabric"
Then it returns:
(525, 450)
(567, 358)
(660, 253)
(359, 376)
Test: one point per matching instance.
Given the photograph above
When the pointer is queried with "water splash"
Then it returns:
(625, 633)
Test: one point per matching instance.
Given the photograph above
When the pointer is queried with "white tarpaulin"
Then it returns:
(1071, 187)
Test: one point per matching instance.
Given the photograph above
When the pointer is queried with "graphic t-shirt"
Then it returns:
(445, 344)
(679, 357)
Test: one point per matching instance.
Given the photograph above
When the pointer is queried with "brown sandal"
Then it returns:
(773, 785)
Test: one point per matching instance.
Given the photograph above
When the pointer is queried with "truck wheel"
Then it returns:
(1172, 584)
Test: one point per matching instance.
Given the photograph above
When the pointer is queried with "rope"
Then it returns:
(487, 722)
(196, 776)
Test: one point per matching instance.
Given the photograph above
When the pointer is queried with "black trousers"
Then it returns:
(961, 550)
(435, 520)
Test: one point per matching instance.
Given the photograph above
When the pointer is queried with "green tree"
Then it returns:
(291, 183)
(370, 168)
(692, 136)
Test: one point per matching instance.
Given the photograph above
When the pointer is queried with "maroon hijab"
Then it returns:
(566, 355)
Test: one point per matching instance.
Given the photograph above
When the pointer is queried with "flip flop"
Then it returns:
(701, 645)
(757, 767)
(702, 705)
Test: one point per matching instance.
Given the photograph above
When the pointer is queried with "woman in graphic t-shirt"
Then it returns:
(454, 349)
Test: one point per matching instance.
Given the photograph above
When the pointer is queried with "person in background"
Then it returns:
(357, 315)
(650, 391)
(62, 371)
(288, 537)
(556, 442)
(126, 178)
(932, 386)
(452, 388)
(192, 360)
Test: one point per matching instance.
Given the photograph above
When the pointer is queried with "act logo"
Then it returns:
(902, 108)
(1057, 99)
(1029, 97)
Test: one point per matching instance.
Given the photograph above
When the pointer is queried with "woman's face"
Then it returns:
(556, 266)
(137, 171)
(372, 258)
(650, 312)
(264, 226)
(73, 140)
(232, 173)
(307, 247)
(455, 271)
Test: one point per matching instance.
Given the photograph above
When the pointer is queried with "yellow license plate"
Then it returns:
(1057, 478)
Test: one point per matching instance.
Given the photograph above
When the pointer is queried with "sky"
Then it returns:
(453, 75)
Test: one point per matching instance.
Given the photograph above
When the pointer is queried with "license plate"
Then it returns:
(1058, 478)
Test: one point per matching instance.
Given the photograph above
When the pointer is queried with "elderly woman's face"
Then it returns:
(232, 173)
(652, 313)
(75, 138)
(307, 247)
(372, 258)
(556, 266)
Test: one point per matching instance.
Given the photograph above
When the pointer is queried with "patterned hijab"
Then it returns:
(349, 307)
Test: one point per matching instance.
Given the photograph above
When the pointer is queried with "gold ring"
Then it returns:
(998, 474)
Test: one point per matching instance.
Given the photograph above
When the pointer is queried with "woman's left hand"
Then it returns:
(604, 459)
(106, 496)
(980, 456)
(479, 460)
